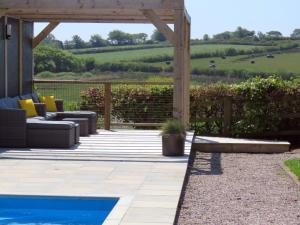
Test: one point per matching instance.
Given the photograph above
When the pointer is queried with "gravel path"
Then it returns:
(240, 189)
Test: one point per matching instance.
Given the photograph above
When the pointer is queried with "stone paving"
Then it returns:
(125, 164)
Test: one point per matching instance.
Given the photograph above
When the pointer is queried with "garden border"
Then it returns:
(290, 174)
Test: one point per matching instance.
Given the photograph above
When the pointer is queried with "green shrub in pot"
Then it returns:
(173, 138)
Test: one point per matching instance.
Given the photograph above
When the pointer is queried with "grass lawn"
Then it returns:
(282, 63)
(132, 55)
(294, 166)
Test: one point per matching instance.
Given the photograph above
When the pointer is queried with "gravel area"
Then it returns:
(239, 189)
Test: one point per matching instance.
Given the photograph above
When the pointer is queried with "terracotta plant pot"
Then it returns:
(173, 144)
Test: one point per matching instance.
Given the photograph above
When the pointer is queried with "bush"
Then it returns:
(259, 105)
(56, 60)
(127, 67)
(90, 64)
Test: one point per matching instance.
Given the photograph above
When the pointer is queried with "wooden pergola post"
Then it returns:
(181, 99)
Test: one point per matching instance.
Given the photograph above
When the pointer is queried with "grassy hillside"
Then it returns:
(286, 62)
(129, 63)
(132, 55)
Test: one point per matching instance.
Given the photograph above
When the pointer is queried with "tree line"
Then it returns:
(243, 33)
(115, 38)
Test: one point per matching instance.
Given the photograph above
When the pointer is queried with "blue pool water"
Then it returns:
(37, 210)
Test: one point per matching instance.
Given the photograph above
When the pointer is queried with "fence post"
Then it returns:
(227, 116)
(107, 105)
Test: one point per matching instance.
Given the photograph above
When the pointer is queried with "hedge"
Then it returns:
(259, 105)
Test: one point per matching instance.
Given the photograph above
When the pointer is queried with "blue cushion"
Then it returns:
(3, 104)
(27, 96)
(35, 98)
(10, 103)
(15, 102)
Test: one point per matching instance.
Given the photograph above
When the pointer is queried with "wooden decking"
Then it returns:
(117, 145)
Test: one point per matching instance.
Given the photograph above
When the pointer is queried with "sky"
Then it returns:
(208, 17)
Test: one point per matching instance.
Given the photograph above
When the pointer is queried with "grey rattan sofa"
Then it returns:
(61, 114)
(44, 131)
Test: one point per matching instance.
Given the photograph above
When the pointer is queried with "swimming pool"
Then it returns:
(40, 210)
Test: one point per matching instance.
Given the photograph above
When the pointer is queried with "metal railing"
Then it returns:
(112, 101)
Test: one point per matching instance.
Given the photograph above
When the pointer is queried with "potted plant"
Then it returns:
(173, 138)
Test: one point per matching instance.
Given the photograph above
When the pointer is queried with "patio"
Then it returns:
(121, 163)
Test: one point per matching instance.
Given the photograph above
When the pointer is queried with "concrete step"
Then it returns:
(235, 145)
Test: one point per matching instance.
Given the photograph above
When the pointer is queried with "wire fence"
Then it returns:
(118, 104)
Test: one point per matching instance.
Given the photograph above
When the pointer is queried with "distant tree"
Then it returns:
(97, 41)
(139, 38)
(157, 36)
(56, 60)
(118, 37)
(274, 34)
(223, 36)
(68, 44)
(296, 34)
(78, 42)
(261, 35)
(243, 33)
(50, 40)
(205, 37)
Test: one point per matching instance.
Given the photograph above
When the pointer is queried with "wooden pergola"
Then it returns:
(158, 12)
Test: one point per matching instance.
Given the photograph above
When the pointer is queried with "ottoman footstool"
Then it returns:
(83, 124)
(91, 116)
(52, 134)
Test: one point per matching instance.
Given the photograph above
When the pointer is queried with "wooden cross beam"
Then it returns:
(159, 24)
(90, 4)
(44, 33)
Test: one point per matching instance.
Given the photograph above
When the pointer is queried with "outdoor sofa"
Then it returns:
(47, 130)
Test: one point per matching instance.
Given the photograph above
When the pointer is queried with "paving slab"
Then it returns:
(125, 163)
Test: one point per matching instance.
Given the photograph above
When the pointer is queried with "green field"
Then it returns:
(282, 63)
(137, 54)
(287, 63)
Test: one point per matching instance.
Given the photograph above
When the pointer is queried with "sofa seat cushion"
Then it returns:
(50, 115)
(50, 125)
(9, 103)
(77, 114)
(35, 119)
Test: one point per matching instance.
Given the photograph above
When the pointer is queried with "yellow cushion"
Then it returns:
(28, 105)
(50, 103)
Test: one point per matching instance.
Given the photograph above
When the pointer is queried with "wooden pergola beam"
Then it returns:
(89, 4)
(160, 25)
(44, 33)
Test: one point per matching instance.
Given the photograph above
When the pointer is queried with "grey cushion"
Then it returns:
(50, 115)
(34, 119)
(49, 125)
(77, 114)
(35, 98)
